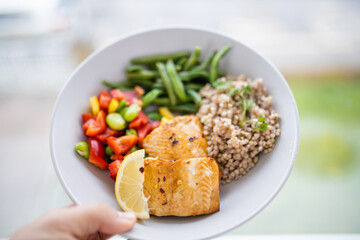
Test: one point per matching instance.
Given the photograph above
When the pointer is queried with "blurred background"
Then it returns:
(315, 44)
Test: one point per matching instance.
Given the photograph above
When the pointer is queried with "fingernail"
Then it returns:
(127, 215)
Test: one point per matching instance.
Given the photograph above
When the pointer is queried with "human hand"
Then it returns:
(91, 221)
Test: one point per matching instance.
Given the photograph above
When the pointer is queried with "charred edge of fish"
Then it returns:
(161, 190)
(174, 142)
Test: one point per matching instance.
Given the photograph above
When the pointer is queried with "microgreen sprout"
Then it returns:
(222, 85)
(259, 123)
(246, 104)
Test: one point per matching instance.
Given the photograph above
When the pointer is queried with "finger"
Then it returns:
(104, 236)
(98, 217)
(69, 206)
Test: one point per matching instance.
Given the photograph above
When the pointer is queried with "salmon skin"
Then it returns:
(180, 138)
(184, 187)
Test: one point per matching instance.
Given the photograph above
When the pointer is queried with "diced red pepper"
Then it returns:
(104, 99)
(87, 124)
(144, 130)
(87, 119)
(137, 101)
(117, 94)
(141, 119)
(87, 116)
(154, 124)
(97, 127)
(129, 95)
(108, 132)
(122, 144)
(114, 168)
(115, 157)
(97, 153)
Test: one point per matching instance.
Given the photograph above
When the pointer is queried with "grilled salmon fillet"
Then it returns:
(180, 138)
(184, 187)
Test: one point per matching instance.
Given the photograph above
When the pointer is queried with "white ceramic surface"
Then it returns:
(240, 200)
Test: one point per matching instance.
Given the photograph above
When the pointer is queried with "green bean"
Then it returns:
(188, 76)
(194, 86)
(131, 112)
(160, 58)
(164, 101)
(121, 105)
(150, 96)
(158, 85)
(215, 63)
(206, 63)
(167, 83)
(184, 108)
(194, 95)
(108, 151)
(125, 88)
(152, 66)
(175, 81)
(82, 148)
(154, 115)
(181, 61)
(178, 68)
(131, 131)
(115, 121)
(193, 59)
(144, 74)
(134, 68)
(117, 84)
(142, 82)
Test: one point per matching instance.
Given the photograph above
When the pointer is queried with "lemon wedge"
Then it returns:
(129, 185)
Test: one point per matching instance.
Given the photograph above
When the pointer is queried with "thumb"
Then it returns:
(99, 217)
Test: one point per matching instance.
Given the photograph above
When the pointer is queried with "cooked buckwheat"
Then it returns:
(236, 149)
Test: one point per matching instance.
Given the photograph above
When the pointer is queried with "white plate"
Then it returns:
(240, 200)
